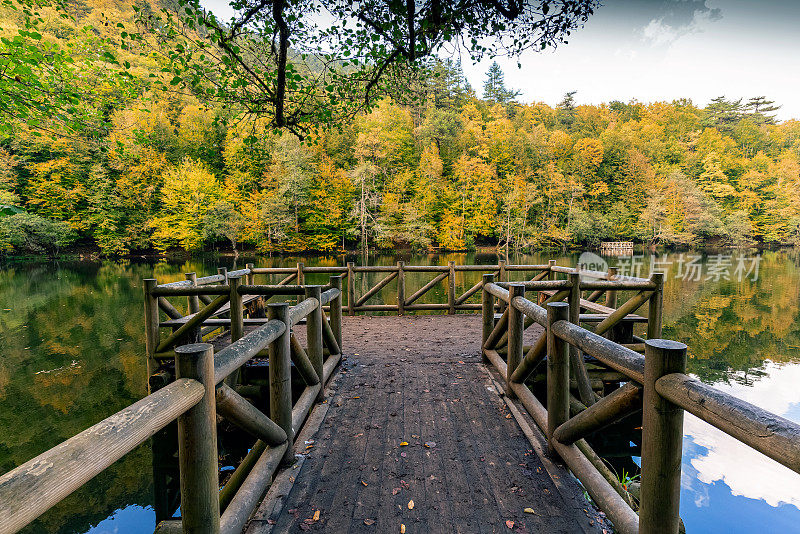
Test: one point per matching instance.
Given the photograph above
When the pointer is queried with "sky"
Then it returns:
(654, 50)
(660, 50)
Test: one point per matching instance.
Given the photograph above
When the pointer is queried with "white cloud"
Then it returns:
(659, 33)
(747, 472)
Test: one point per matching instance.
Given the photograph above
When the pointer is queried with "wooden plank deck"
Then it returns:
(467, 466)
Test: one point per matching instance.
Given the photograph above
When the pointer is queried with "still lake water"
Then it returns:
(72, 342)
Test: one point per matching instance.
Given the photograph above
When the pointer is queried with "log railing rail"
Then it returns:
(654, 383)
(407, 297)
(204, 387)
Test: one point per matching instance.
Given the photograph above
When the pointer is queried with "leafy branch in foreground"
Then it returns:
(63, 86)
(304, 64)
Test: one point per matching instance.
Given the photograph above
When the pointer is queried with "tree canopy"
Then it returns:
(304, 63)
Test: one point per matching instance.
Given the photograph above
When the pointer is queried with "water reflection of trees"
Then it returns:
(732, 327)
(71, 357)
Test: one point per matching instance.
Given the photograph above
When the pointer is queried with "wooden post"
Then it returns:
(551, 275)
(237, 311)
(401, 288)
(301, 277)
(193, 301)
(502, 278)
(224, 272)
(197, 443)
(662, 434)
(280, 377)
(655, 307)
(557, 372)
(451, 289)
(250, 279)
(487, 307)
(611, 294)
(515, 330)
(351, 289)
(314, 334)
(151, 320)
(237, 322)
(193, 304)
(578, 369)
(336, 310)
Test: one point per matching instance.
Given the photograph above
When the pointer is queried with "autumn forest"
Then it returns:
(166, 170)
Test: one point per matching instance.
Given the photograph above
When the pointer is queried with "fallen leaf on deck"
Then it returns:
(305, 526)
(403, 443)
(403, 455)
(510, 524)
(316, 515)
(402, 528)
(363, 483)
(395, 491)
(369, 522)
(430, 444)
(410, 505)
(529, 511)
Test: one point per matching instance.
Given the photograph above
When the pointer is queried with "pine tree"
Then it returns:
(494, 88)
(723, 114)
(759, 108)
(565, 111)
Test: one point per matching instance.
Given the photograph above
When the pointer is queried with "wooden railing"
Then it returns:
(204, 386)
(407, 298)
(655, 383)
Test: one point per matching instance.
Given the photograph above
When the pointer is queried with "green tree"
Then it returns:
(494, 88)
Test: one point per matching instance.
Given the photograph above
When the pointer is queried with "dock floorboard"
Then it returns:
(467, 466)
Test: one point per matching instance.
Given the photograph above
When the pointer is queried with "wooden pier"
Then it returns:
(616, 247)
(460, 422)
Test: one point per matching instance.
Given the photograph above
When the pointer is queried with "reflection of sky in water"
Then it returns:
(132, 519)
(727, 486)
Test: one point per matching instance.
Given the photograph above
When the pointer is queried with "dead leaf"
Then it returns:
(316, 516)
(402, 528)
(411, 505)
(430, 444)
(403, 443)
(510, 524)
(305, 526)
(363, 483)
(395, 491)
(529, 511)
(369, 522)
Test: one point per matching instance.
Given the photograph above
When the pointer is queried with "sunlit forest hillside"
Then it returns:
(159, 169)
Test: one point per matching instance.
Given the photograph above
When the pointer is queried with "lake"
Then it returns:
(72, 354)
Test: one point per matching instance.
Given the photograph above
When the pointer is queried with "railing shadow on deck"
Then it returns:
(192, 384)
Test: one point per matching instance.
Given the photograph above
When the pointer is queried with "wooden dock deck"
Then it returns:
(467, 465)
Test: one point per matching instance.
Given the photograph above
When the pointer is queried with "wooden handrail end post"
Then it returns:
(197, 443)
(662, 439)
